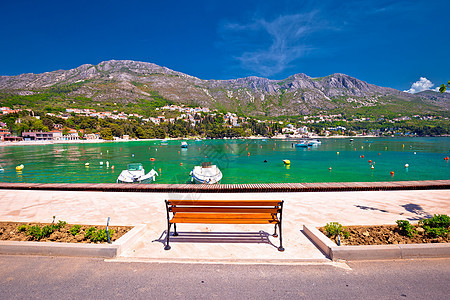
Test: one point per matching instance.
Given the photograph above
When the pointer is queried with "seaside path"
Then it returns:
(226, 243)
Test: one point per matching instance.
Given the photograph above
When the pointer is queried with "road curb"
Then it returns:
(375, 252)
(72, 249)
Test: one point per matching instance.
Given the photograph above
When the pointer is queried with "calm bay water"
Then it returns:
(241, 161)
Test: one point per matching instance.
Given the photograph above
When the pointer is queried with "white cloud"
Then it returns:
(422, 85)
(269, 47)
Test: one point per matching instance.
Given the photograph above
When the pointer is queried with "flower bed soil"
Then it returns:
(9, 232)
(384, 235)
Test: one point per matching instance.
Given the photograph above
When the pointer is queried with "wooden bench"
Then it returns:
(224, 212)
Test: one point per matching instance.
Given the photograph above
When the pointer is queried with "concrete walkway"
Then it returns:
(222, 243)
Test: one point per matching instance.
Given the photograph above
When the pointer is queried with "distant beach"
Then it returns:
(281, 137)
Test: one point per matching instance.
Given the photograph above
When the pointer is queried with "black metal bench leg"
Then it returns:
(175, 233)
(167, 247)
(281, 239)
(275, 233)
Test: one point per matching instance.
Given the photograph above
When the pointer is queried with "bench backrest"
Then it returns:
(225, 206)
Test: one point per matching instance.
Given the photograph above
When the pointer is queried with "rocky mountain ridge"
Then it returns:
(125, 81)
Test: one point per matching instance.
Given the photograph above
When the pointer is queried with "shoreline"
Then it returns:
(278, 137)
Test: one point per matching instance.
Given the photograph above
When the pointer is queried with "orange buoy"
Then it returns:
(329, 168)
(159, 171)
(181, 164)
(392, 173)
(370, 161)
(206, 156)
(379, 153)
(152, 159)
(112, 167)
(273, 148)
(246, 149)
(362, 156)
(248, 153)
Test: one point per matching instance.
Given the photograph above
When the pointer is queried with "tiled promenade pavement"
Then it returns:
(246, 243)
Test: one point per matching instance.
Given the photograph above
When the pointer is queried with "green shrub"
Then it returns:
(38, 233)
(435, 232)
(436, 226)
(22, 228)
(61, 224)
(332, 229)
(90, 232)
(98, 235)
(47, 230)
(35, 231)
(75, 229)
(437, 221)
(406, 228)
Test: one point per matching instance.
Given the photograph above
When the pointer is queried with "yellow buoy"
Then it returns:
(86, 164)
(287, 161)
(19, 168)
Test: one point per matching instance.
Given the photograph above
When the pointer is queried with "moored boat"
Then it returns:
(135, 173)
(301, 144)
(206, 173)
(184, 144)
(314, 142)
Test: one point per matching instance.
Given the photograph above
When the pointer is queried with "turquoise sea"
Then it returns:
(241, 161)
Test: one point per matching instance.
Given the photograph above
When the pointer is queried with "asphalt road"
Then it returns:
(32, 277)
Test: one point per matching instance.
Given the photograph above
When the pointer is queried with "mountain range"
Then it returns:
(123, 82)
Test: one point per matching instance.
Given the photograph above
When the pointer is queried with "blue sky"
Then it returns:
(387, 43)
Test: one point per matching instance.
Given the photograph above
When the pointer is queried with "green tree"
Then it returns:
(444, 87)
(106, 134)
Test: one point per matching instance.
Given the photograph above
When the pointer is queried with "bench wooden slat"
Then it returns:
(222, 216)
(223, 221)
(224, 209)
(225, 202)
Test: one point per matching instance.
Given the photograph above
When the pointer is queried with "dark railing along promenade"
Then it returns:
(234, 188)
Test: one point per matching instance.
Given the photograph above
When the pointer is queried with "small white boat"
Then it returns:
(135, 173)
(206, 173)
(314, 142)
(184, 145)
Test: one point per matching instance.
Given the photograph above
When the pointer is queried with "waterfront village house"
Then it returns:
(57, 135)
(91, 136)
(72, 135)
(4, 132)
(37, 136)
